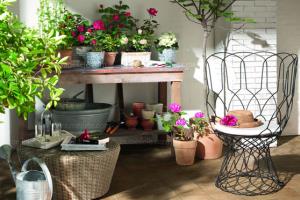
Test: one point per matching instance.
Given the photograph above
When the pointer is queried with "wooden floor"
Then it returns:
(150, 173)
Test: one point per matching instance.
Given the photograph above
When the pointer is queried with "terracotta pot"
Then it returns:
(185, 151)
(209, 147)
(147, 124)
(137, 108)
(131, 122)
(66, 53)
(148, 114)
(109, 58)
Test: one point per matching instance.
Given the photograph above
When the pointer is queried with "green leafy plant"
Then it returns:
(109, 43)
(29, 64)
(166, 41)
(140, 42)
(94, 38)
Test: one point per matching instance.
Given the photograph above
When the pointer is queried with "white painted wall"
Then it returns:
(288, 39)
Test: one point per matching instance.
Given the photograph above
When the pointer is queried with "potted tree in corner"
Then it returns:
(29, 65)
(183, 140)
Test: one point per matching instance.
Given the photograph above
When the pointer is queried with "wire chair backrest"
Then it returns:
(262, 82)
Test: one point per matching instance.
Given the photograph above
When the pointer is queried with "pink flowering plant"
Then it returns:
(199, 124)
(94, 36)
(73, 26)
(229, 120)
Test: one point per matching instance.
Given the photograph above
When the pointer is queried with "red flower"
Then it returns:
(73, 33)
(85, 135)
(80, 28)
(127, 14)
(80, 38)
(99, 25)
(94, 42)
(152, 11)
(116, 17)
(89, 30)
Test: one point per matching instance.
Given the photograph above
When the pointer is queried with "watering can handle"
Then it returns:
(44, 168)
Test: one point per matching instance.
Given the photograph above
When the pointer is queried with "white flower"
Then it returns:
(140, 31)
(143, 41)
(167, 40)
(124, 40)
(134, 41)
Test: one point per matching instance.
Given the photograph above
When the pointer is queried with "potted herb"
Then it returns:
(183, 140)
(166, 46)
(94, 37)
(29, 64)
(111, 46)
(209, 146)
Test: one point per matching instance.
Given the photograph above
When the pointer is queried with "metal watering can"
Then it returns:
(32, 184)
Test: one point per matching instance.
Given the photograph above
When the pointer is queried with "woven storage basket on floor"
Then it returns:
(78, 175)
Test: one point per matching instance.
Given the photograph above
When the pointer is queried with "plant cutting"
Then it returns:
(94, 37)
(183, 140)
(166, 45)
(111, 46)
(29, 64)
(209, 146)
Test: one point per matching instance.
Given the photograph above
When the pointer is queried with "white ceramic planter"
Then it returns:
(94, 59)
(129, 57)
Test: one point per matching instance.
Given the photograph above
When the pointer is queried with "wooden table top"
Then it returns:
(124, 70)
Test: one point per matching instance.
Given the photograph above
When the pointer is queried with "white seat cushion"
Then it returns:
(264, 129)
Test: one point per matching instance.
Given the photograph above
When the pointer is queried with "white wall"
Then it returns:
(170, 18)
(288, 39)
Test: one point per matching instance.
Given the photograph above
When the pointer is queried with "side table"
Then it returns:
(77, 174)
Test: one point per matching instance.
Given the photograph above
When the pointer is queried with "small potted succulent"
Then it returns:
(111, 46)
(209, 146)
(94, 37)
(183, 139)
(166, 45)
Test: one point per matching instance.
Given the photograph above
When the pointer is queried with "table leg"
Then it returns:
(89, 95)
(121, 101)
(176, 92)
(163, 94)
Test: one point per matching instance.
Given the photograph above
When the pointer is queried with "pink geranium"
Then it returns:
(175, 108)
(116, 17)
(127, 14)
(99, 25)
(180, 122)
(229, 120)
(94, 42)
(89, 30)
(152, 11)
(73, 33)
(199, 115)
(80, 38)
(80, 28)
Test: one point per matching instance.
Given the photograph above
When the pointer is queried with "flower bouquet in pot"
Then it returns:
(183, 139)
(166, 45)
(209, 146)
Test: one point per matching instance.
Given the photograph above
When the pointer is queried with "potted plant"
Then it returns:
(111, 46)
(94, 37)
(29, 64)
(209, 146)
(183, 140)
(166, 45)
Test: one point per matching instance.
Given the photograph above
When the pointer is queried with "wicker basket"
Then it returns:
(78, 175)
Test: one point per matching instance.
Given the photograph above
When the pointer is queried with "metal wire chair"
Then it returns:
(264, 83)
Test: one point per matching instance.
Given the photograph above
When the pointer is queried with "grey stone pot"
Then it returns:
(168, 55)
(95, 59)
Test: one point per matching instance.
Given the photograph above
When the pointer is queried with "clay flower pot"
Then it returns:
(67, 53)
(147, 124)
(137, 108)
(109, 58)
(185, 151)
(148, 114)
(209, 147)
(131, 122)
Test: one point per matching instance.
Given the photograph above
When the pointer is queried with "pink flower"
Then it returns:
(73, 33)
(199, 115)
(89, 30)
(152, 11)
(80, 28)
(99, 25)
(80, 38)
(85, 135)
(94, 42)
(110, 26)
(175, 108)
(127, 14)
(229, 120)
(116, 17)
(180, 122)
